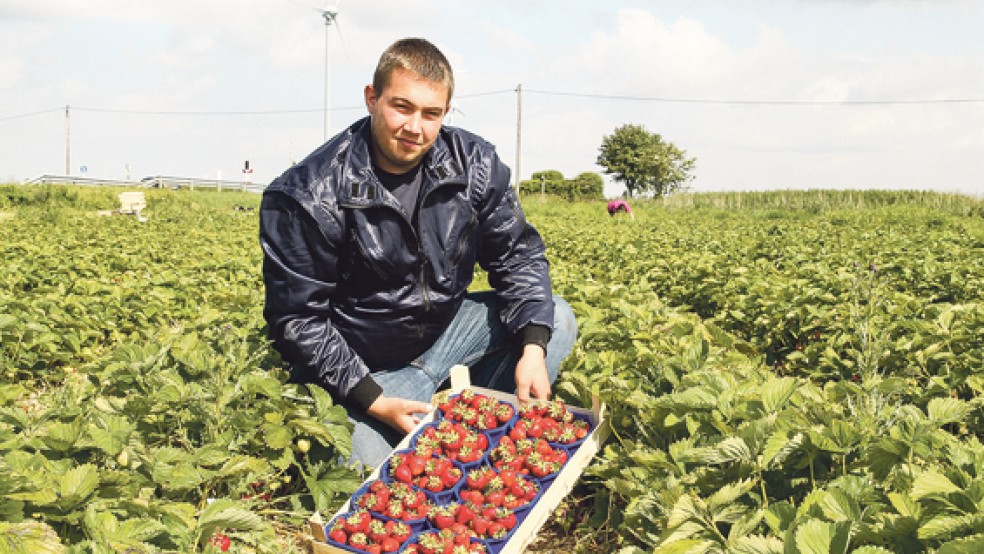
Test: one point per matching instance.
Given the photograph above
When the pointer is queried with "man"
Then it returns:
(370, 245)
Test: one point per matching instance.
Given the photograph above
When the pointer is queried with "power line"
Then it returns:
(490, 93)
(179, 112)
(759, 102)
(656, 99)
(41, 112)
(207, 113)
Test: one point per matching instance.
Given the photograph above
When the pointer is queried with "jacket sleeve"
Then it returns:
(298, 301)
(512, 252)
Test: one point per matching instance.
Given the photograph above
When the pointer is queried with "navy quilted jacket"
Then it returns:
(355, 284)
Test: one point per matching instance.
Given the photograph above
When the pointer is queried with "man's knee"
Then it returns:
(565, 322)
(563, 336)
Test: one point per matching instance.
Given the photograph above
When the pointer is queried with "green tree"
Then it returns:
(586, 186)
(643, 161)
(589, 185)
(550, 179)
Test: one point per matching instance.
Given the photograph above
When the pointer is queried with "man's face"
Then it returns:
(406, 119)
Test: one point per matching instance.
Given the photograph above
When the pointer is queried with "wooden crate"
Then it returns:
(133, 203)
(561, 486)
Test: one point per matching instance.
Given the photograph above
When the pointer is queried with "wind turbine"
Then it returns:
(330, 16)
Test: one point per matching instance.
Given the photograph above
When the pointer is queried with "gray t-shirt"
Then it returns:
(405, 187)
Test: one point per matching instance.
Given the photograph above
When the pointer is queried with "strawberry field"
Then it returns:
(784, 373)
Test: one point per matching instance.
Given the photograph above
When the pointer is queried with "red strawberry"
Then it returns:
(508, 477)
(390, 544)
(540, 469)
(403, 474)
(530, 489)
(497, 530)
(465, 514)
(414, 499)
(507, 445)
(359, 540)
(474, 496)
(395, 509)
(507, 518)
(357, 522)
(518, 432)
(417, 463)
(447, 405)
(432, 483)
(377, 530)
(399, 530)
(371, 502)
(517, 489)
(462, 533)
(480, 524)
(429, 543)
(377, 486)
(428, 445)
(450, 477)
(451, 440)
(477, 478)
(443, 517)
(504, 412)
(220, 541)
(338, 535)
(495, 498)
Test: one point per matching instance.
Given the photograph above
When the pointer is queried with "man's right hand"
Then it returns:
(399, 413)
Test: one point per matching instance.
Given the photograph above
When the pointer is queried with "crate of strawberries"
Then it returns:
(481, 473)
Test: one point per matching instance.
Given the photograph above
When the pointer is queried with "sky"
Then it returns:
(763, 94)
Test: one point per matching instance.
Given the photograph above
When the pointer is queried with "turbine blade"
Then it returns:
(341, 39)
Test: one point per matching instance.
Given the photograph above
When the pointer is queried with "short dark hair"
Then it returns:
(418, 56)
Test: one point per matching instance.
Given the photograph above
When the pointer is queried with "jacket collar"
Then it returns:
(360, 187)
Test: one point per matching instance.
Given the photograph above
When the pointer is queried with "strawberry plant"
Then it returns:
(795, 371)
(141, 406)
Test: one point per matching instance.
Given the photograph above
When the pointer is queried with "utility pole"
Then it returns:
(329, 17)
(519, 133)
(328, 20)
(68, 142)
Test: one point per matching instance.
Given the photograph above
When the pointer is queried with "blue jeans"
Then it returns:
(476, 338)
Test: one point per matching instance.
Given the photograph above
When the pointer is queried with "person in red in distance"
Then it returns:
(370, 245)
(620, 206)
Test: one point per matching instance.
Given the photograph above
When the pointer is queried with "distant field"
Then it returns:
(785, 372)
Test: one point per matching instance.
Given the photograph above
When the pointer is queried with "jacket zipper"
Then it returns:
(424, 292)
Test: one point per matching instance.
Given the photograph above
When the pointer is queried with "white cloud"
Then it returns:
(188, 55)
